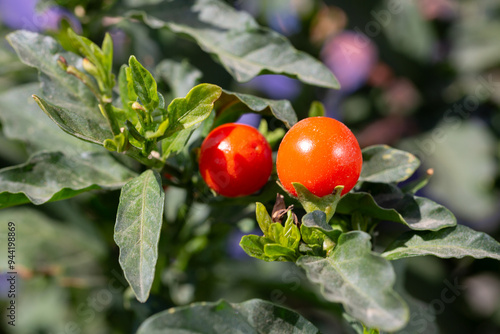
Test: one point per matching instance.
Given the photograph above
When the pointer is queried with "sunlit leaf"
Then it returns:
(359, 279)
(137, 230)
(382, 163)
(232, 105)
(52, 176)
(456, 242)
(235, 40)
(252, 316)
(185, 112)
(386, 202)
(144, 84)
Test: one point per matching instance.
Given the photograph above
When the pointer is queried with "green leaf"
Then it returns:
(382, 163)
(252, 317)
(185, 112)
(280, 253)
(276, 234)
(291, 232)
(107, 50)
(52, 176)
(232, 105)
(234, 39)
(127, 93)
(176, 142)
(359, 279)
(23, 120)
(70, 103)
(387, 202)
(137, 230)
(144, 85)
(180, 76)
(316, 109)
(263, 218)
(311, 202)
(317, 220)
(85, 47)
(456, 242)
(253, 245)
(101, 59)
(81, 126)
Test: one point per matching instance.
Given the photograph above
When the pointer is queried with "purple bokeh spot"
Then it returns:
(250, 119)
(233, 244)
(18, 14)
(53, 17)
(120, 40)
(284, 22)
(4, 286)
(351, 57)
(276, 86)
(22, 14)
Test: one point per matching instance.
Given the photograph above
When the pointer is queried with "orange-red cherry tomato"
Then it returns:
(320, 153)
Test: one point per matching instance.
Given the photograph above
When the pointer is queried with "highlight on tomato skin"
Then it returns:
(321, 153)
(235, 160)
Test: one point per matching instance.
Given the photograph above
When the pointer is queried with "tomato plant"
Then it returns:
(321, 153)
(117, 228)
(235, 160)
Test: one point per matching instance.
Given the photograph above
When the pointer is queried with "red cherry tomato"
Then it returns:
(235, 160)
(320, 153)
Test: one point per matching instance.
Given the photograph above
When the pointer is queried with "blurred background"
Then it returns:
(420, 75)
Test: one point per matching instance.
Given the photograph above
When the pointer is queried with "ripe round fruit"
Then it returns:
(235, 160)
(320, 153)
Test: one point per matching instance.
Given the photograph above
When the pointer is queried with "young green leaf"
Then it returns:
(316, 109)
(52, 176)
(101, 60)
(86, 47)
(291, 232)
(316, 220)
(252, 316)
(127, 93)
(236, 40)
(359, 279)
(107, 50)
(457, 242)
(137, 230)
(176, 142)
(144, 84)
(193, 109)
(253, 245)
(232, 105)
(382, 163)
(280, 253)
(263, 218)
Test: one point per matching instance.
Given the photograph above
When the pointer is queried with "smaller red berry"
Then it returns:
(235, 160)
